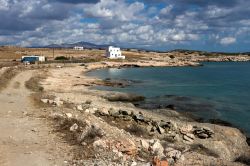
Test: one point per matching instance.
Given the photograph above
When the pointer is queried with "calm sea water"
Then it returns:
(213, 91)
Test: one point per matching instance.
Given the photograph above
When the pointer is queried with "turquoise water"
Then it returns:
(213, 91)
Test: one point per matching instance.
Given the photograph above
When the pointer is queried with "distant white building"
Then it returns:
(114, 53)
(78, 48)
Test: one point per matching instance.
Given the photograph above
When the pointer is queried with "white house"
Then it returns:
(78, 48)
(114, 53)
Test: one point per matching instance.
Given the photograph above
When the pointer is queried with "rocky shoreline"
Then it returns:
(126, 135)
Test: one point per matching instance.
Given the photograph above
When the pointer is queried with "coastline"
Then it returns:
(72, 86)
(123, 83)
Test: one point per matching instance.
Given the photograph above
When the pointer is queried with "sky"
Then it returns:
(210, 25)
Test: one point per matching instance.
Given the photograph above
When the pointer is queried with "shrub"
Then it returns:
(61, 58)
(6, 77)
(137, 130)
(172, 56)
(34, 82)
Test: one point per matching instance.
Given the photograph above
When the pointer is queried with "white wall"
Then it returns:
(78, 48)
(114, 53)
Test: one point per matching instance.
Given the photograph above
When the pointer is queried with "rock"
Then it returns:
(160, 130)
(123, 112)
(88, 102)
(100, 144)
(126, 146)
(150, 128)
(208, 130)
(74, 127)
(58, 102)
(51, 101)
(45, 101)
(90, 111)
(157, 148)
(186, 129)
(158, 162)
(188, 139)
(172, 153)
(134, 163)
(203, 132)
(113, 112)
(165, 125)
(93, 130)
(144, 144)
(103, 112)
(177, 137)
(93, 110)
(87, 111)
(56, 115)
(119, 154)
(79, 108)
(69, 115)
(138, 118)
(190, 135)
(203, 135)
(127, 118)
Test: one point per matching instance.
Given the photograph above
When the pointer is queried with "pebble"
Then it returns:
(74, 127)
(186, 138)
(79, 108)
(69, 115)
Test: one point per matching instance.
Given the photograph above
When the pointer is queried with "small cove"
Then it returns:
(217, 90)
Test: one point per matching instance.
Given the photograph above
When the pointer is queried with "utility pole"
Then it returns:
(53, 53)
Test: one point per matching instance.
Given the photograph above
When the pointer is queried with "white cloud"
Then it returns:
(166, 10)
(227, 40)
(4, 4)
(215, 12)
(114, 9)
(138, 23)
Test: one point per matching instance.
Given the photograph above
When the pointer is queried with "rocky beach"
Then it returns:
(138, 136)
(124, 83)
(93, 127)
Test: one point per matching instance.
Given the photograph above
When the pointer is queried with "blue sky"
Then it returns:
(211, 25)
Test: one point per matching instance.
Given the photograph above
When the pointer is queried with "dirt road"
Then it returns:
(25, 139)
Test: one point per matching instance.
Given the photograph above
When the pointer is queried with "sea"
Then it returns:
(215, 90)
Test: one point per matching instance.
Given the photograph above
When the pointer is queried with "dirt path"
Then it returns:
(24, 137)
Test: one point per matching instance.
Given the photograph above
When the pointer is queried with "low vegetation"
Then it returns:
(61, 58)
(137, 130)
(125, 97)
(6, 77)
(34, 82)
(199, 148)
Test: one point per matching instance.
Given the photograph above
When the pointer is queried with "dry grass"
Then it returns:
(137, 130)
(17, 85)
(34, 82)
(203, 150)
(6, 77)
(10, 53)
